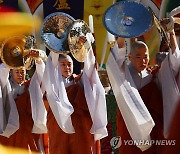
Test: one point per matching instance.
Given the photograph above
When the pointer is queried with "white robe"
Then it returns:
(135, 114)
(39, 113)
(56, 94)
(169, 86)
(94, 93)
(128, 99)
(9, 118)
(95, 97)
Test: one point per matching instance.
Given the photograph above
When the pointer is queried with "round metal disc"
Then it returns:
(13, 51)
(77, 49)
(54, 32)
(127, 19)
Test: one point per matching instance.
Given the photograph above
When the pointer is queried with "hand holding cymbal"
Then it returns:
(167, 24)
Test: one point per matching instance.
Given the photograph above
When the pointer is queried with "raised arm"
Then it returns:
(119, 50)
(40, 57)
(168, 25)
(174, 54)
(39, 112)
(173, 41)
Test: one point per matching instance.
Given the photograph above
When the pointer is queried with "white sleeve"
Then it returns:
(40, 69)
(56, 94)
(95, 97)
(39, 112)
(4, 75)
(175, 60)
(169, 86)
(119, 54)
(135, 114)
(9, 118)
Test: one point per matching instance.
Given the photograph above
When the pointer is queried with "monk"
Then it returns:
(82, 141)
(77, 115)
(23, 136)
(140, 96)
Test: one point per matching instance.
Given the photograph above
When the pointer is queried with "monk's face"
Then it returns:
(66, 66)
(139, 58)
(19, 75)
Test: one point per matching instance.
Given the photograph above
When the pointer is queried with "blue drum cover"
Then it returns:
(127, 19)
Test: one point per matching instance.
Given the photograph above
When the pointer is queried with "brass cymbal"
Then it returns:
(12, 51)
(77, 49)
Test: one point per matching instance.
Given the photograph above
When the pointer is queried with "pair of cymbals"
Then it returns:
(60, 33)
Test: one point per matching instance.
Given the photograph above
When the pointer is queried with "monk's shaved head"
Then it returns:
(139, 56)
(62, 56)
(138, 44)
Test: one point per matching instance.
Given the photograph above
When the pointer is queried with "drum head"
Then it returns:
(127, 19)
